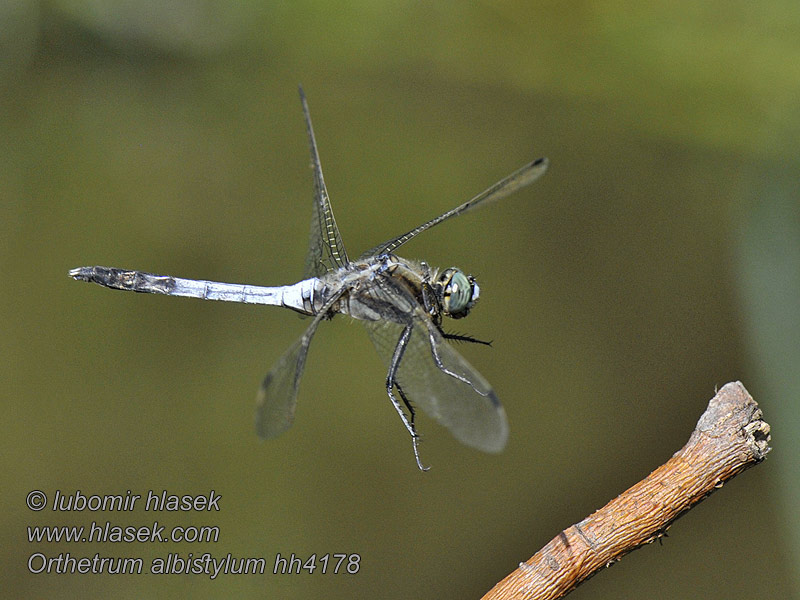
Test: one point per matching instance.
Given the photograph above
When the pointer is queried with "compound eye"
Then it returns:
(460, 293)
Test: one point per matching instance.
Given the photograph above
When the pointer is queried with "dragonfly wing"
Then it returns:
(454, 394)
(325, 249)
(505, 187)
(277, 396)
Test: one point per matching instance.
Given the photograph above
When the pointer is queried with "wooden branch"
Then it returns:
(729, 438)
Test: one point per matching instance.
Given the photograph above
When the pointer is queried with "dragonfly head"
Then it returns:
(458, 292)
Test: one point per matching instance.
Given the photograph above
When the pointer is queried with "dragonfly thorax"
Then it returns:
(458, 292)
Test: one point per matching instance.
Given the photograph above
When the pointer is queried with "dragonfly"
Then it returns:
(401, 303)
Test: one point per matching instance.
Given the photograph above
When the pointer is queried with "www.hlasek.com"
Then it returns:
(171, 563)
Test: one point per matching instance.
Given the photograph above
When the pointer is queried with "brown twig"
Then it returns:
(729, 438)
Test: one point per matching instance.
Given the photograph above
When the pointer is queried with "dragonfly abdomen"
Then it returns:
(304, 296)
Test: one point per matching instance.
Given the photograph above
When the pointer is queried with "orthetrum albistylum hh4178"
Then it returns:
(400, 302)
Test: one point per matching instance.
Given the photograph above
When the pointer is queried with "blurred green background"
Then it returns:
(657, 259)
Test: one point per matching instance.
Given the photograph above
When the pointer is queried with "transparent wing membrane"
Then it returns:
(325, 249)
(517, 180)
(277, 396)
(457, 396)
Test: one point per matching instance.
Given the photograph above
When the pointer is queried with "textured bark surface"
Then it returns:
(729, 438)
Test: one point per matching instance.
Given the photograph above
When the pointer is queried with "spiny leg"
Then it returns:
(415, 439)
(438, 360)
(391, 383)
(457, 337)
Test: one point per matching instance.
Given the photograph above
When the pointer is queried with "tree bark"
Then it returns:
(729, 438)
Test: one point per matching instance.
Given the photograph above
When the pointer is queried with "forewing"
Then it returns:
(277, 397)
(517, 180)
(471, 411)
(325, 249)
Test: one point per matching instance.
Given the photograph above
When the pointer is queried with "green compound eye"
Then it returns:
(460, 293)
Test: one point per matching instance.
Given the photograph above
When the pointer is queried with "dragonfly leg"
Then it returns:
(391, 384)
(438, 360)
(456, 337)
